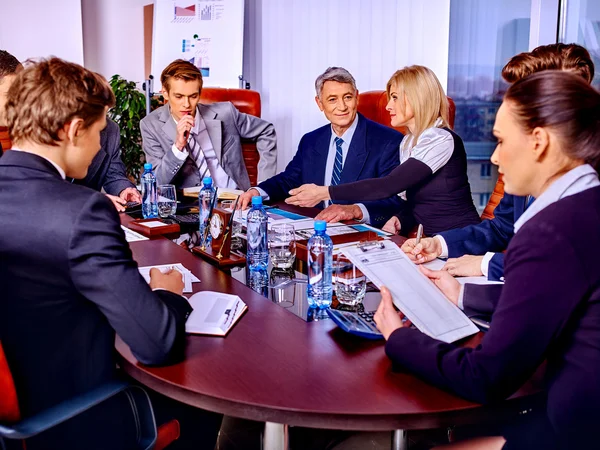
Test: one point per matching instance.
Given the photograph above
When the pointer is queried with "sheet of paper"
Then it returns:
(413, 293)
(132, 236)
(188, 276)
(153, 224)
(437, 264)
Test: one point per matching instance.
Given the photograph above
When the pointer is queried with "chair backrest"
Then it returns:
(245, 101)
(5, 139)
(9, 405)
(371, 104)
(488, 212)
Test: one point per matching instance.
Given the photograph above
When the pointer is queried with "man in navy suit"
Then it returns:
(476, 250)
(69, 280)
(350, 148)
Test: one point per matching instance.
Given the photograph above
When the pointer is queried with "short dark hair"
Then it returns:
(50, 93)
(180, 69)
(564, 103)
(568, 57)
(8, 64)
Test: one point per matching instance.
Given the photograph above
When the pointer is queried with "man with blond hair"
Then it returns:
(186, 140)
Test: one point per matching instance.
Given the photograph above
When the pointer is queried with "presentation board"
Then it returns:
(208, 33)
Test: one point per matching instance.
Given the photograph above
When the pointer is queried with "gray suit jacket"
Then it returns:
(226, 127)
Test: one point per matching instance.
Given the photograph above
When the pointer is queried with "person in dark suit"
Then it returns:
(108, 172)
(69, 280)
(477, 249)
(432, 175)
(350, 148)
(548, 309)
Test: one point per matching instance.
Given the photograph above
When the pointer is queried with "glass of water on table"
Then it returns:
(282, 245)
(350, 282)
(167, 200)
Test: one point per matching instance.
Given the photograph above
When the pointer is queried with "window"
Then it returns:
(484, 198)
(484, 35)
(486, 170)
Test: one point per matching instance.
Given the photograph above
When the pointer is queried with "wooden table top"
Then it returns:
(274, 366)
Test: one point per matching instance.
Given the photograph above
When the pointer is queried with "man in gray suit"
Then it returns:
(185, 140)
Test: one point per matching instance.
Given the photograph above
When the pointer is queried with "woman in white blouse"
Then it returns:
(432, 175)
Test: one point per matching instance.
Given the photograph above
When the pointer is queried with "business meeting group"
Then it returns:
(71, 285)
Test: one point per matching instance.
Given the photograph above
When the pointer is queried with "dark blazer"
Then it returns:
(68, 283)
(107, 170)
(548, 309)
(492, 235)
(372, 153)
(439, 201)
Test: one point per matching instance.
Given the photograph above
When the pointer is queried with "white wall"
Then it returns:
(113, 37)
(290, 42)
(41, 28)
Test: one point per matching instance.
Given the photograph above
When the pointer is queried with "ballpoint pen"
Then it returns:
(419, 234)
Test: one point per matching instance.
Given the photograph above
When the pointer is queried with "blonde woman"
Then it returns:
(432, 175)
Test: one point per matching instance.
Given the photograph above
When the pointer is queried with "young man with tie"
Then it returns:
(349, 148)
(186, 140)
(477, 249)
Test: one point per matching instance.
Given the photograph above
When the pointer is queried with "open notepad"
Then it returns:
(214, 313)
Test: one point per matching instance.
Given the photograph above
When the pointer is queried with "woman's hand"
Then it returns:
(426, 250)
(387, 318)
(444, 282)
(308, 195)
(393, 225)
(465, 266)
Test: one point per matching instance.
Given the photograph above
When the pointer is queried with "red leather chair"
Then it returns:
(497, 195)
(372, 105)
(12, 427)
(245, 101)
(4, 138)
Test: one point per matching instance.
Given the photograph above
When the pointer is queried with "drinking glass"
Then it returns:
(167, 200)
(236, 227)
(350, 282)
(282, 245)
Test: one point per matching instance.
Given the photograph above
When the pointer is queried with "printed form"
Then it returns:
(413, 293)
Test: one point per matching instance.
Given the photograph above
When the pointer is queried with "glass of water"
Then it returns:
(350, 282)
(282, 245)
(167, 200)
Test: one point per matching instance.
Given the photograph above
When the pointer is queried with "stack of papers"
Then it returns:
(132, 236)
(188, 277)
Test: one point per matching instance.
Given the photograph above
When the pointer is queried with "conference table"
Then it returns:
(276, 368)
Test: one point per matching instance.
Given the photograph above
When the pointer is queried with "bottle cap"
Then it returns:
(256, 200)
(147, 166)
(320, 225)
(207, 181)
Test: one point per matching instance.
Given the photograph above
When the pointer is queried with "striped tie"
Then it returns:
(337, 167)
(198, 157)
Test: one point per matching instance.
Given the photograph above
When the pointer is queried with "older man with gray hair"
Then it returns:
(349, 148)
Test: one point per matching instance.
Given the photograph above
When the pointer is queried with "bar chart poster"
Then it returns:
(208, 33)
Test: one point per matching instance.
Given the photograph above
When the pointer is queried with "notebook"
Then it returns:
(224, 193)
(214, 313)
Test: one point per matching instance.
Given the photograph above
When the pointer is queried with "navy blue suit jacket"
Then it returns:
(492, 235)
(107, 170)
(68, 283)
(373, 152)
(548, 309)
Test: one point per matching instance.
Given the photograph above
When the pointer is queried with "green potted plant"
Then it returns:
(129, 109)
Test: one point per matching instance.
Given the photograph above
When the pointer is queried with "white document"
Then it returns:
(154, 224)
(188, 277)
(214, 313)
(437, 264)
(413, 293)
(132, 236)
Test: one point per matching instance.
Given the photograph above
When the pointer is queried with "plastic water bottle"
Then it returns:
(205, 200)
(320, 263)
(257, 256)
(149, 196)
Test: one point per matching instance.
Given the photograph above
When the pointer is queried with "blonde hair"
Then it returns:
(423, 91)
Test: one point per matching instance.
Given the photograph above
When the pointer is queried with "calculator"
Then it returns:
(358, 322)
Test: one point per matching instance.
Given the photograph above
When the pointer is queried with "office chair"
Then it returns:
(13, 426)
(245, 101)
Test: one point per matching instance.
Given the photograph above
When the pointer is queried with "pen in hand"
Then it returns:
(419, 234)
